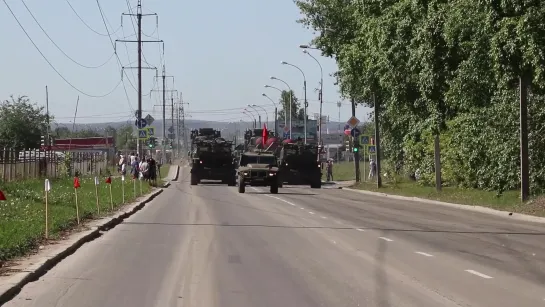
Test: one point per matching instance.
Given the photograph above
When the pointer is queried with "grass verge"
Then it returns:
(22, 215)
(342, 171)
(508, 201)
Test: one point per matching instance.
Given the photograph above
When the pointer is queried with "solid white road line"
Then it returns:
(424, 254)
(386, 239)
(359, 229)
(479, 274)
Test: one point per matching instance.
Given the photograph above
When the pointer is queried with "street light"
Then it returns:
(291, 100)
(321, 90)
(306, 102)
(275, 111)
(249, 114)
(266, 113)
(259, 115)
(307, 47)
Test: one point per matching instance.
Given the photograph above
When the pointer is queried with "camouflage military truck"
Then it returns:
(258, 169)
(299, 165)
(211, 157)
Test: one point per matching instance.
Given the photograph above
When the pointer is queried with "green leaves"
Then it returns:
(23, 123)
(448, 67)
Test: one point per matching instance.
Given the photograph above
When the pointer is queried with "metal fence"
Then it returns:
(34, 163)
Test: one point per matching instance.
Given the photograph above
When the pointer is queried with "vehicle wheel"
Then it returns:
(194, 179)
(316, 185)
(274, 188)
(241, 187)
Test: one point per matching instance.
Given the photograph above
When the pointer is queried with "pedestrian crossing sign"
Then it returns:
(151, 131)
(142, 134)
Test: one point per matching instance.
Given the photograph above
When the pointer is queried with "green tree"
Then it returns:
(296, 110)
(125, 138)
(23, 123)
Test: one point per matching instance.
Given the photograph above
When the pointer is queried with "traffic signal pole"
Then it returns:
(356, 147)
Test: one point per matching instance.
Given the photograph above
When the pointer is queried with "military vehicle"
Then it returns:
(299, 165)
(258, 169)
(211, 157)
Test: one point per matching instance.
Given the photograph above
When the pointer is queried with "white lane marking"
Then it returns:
(386, 239)
(479, 274)
(424, 254)
(324, 217)
(302, 208)
(311, 212)
(359, 229)
(282, 200)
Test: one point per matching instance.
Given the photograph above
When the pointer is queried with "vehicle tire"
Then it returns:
(274, 188)
(316, 185)
(194, 179)
(241, 187)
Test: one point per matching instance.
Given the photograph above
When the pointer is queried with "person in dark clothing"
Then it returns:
(152, 171)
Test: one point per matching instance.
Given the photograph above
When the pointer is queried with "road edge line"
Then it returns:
(41, 269)
(474, 208)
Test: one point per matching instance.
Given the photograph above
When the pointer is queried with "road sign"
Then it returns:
(140, 123)
(142, 134)
(286, 129)
(149, 119)
(151, 131)
(353, 121)
(171, 129)
(355, 132)
(171, 136)
(372, 149)
(365, 140)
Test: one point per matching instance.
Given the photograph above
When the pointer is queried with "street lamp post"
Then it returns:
(257, 111)
(306, 102)
(321, 88)
(275, 112)
(250, 115)
(291, 99)
(262, 108)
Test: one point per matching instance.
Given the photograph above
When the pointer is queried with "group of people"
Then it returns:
(144, 169)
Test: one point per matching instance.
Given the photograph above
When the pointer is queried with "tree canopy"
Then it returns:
(442, 67)
(297, 112)
(23, 123)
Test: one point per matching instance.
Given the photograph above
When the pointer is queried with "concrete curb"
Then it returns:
(504, 214)
(167, 184)
(34, 272)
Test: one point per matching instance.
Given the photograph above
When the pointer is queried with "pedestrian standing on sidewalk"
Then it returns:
(329, 170)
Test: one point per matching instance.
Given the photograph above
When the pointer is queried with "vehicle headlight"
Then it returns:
(272, 174)
(245, 174)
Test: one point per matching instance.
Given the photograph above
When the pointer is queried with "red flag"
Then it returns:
(76, 183)
(2, 196)
(265, 135)
(109, 180)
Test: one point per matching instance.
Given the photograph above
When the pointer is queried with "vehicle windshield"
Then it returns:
(269, 160)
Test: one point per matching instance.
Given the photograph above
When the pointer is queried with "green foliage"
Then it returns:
(23, 123)
(296, 111)
(443, 67)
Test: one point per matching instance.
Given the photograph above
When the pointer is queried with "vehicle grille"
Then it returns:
(259, 174)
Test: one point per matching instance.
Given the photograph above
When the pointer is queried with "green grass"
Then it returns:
(22, 215)
(342, 171)
(509, 201)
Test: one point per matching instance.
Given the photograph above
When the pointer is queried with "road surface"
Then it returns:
(207, 245)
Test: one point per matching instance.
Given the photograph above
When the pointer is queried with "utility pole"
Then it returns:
(139, 16)
(47, 137)
(377, 140)
(524, 163)
(163, 143)
(356, 145)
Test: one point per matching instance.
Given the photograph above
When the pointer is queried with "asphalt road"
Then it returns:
(207, 245)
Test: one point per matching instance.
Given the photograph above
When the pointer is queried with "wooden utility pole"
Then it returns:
(139, 41)
(524, 164)
(377, 140)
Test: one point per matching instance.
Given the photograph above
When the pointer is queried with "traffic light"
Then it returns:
(151, 143)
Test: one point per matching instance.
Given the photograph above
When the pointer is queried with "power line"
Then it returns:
(58, 47)
(53, 67)
(86, 24)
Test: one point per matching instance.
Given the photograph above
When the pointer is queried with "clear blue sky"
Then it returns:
(221, 54)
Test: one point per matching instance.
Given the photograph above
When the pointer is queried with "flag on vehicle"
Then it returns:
(265, 135)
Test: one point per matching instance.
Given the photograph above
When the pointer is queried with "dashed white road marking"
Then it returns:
(280, 199)
(338, 222)
(386, 239)
(359, 229)
(479, 274)
(302, 208)
(424, 254)
(311, 212)
(324, 217)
